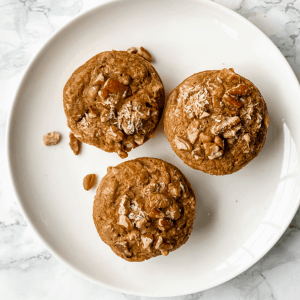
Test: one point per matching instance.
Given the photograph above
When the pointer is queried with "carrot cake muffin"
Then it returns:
(114, 101)
(216, 121)
(144, 208)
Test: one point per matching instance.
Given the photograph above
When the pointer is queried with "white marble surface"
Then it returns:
(27, 269)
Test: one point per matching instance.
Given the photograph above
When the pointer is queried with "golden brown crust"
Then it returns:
(216, 121)
(114, 101)
(144, 208)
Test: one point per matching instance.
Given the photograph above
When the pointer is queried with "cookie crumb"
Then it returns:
(88, 181)
(74, 143)
(51, 138)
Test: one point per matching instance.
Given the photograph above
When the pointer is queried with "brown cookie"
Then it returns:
(144, 208)
(114, 101)
(216, 121)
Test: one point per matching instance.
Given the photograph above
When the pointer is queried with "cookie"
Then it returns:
(144, 208)
(114, 101)
(216, 121)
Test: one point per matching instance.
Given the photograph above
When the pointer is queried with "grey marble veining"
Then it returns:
(27, 269)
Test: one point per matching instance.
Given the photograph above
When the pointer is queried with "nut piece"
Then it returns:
(147, 240)
(166, 246)
(212, 151)
(113, 133)
(204, 115)
(103, 93)
(116, 87)
(125, 221)
(193, 131)
(156, 213)
(159, 241)
(173, 211)
(100, 79)
(175, 189)
(247, 138)
(204, 138)
(231, 132)
(228, 123)
(74, 143)
(164, 252)
(218, 141)
(124, 205)
(132, 50)
(140, 223)
(122, 153)
(51, 138)
(88, 181)
(182, 144)
(123, 249)
(145, 54)
(240, 90)
(165, 224)
(159, 200)
(232, 101)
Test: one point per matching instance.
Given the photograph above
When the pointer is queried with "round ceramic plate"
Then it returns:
(239, 217)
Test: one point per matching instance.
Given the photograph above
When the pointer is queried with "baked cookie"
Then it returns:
(114, 101)
(144, 208)
(216, 121)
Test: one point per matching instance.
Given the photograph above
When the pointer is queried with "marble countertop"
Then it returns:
(27, 269)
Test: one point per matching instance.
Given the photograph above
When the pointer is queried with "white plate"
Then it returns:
(239, 217)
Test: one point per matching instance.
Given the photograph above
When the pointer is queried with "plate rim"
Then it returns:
(18, 196)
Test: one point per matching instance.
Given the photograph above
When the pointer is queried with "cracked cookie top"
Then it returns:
(114, 101)
(144, 208)
(216, 121)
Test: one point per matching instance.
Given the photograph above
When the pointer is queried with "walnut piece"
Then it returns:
(247, 138)
(88, 181)
(123, 249)
(51, 138)
(158, 242)
(231, 132)
(74, 143)
(125, 221)
(240, 90)
(212, 151)
(204, 138)
(116, 87)
(228, 123)
(232, 101)
(165, 224)
(147, 240)
(156, 213)
(132, 50)
(159, 200)
(145, 54)
(182, 144)
(193, 131)
(219, 142)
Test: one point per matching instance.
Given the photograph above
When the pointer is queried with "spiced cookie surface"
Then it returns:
(114, 101)
(144, 208)
(216, 121)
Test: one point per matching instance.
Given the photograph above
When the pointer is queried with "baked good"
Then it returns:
(144, 208)
(216, 121)
(114, 101)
